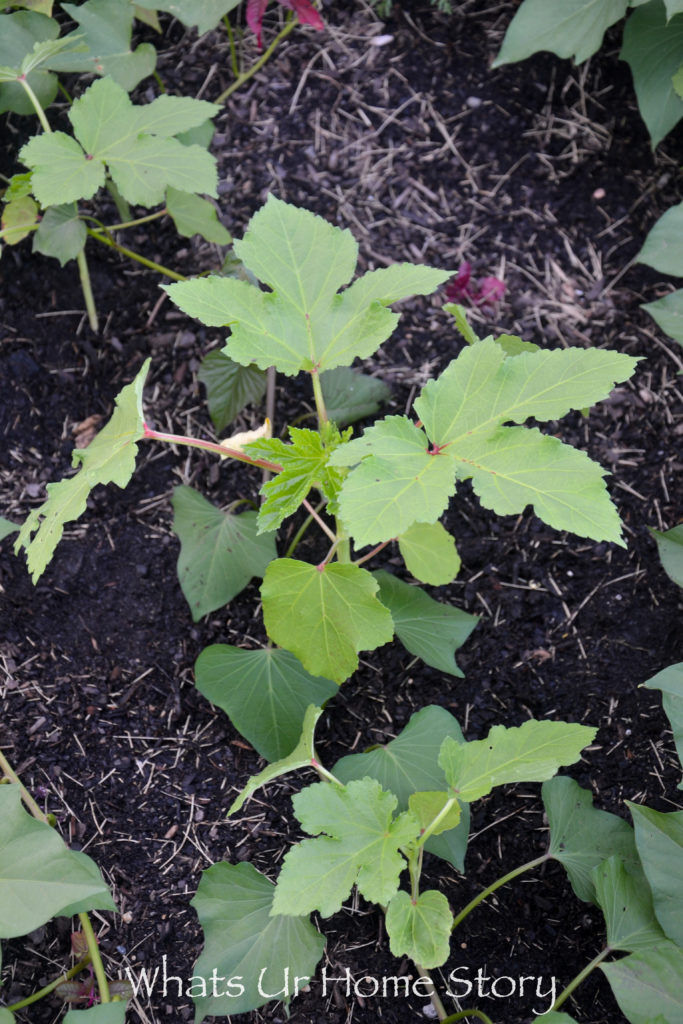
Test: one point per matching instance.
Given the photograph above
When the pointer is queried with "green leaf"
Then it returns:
(668, 313)
(303, 756)
(19, 185)
(426, 628)
(7, 527)
(265, 693)
(653, 48)
(581, 836)
(219, 552)
(205, 15)
(482, 388)
(105, 1013)
(420, 929)
(430, 554)
(132, 142)
(531, 752)
(110, 458)
(663, 248)
(627, 907)
(61, 233)
(351, 396)
(555, 1017)
(427, 806)
(673, 7)
(360, 845)
(5, 1016)
(39, 876)
(41, 6)
(409, 764)
(244, 940)
(677, 82)
(670, 682)
(105, 26)
(670, 547)
(304, 465)
(398, 484)
(569, 28)
(302, 324)
(324, 616)
(20, 33)
(401, 480)
(647, 980)
(193, 215)
(659, 838)
(18, 217)
(229, 387)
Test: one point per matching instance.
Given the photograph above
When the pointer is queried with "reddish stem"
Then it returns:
(210, 446)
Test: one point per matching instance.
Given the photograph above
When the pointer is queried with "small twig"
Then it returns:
(321, 523)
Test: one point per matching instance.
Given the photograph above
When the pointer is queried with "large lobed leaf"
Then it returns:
(105, 27)
(244, 940)
(668, 313)
(670, 547)
(659, 839)
(649, 982)
(627, 907)
(109, 458)
(40, 877)
(324, 615)
(360, 845)
(134, 143)
(265, 693)
(663, 248)
(399, 480)
(531, 752)
(302, 323)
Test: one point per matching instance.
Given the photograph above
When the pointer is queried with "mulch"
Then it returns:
(540, 174)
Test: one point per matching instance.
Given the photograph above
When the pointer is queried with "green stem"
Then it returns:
(86, 288)
(233, 49)
(467, 1013)
(120, 203)
(94, 951)
(135, 256)
(301, 531)
(244, 76)
(35, 102)
(25, 795)
(318, 396)
(210, 446)
(159, 80)
(496, 885)
(129, 223)
(45, 991)
(323, 772)
(433, 994)
(580, 977)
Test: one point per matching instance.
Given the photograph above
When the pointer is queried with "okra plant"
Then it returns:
(372, 817)
(390, 485)
(41, 878)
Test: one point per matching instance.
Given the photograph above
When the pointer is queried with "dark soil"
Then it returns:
(539, 173)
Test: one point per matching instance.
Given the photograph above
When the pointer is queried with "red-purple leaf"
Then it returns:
(304, 10)
(255, 11)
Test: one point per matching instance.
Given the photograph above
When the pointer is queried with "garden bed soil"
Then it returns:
(540, 174)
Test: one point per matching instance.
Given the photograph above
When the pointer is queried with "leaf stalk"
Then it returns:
(503, 880)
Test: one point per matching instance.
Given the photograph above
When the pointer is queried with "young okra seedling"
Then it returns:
(391, 484)
(372, 818)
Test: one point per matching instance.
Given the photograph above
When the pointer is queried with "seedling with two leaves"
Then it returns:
(391, 485)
